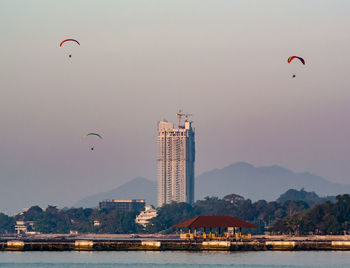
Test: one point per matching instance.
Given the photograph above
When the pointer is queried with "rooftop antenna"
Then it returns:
(180, 115)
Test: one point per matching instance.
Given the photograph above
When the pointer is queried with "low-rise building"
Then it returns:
(124, 205)
(23, 227)
(144, 217)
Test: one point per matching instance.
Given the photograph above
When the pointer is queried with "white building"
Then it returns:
(144, 217)
(176, 156)
(23, 226)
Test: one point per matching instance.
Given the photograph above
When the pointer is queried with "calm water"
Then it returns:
(176, 259)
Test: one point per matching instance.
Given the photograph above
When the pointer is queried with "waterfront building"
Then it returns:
(21, 227)
(227, 224)
(24, 227)
(145, 216)
(124, 205)
(176, 157)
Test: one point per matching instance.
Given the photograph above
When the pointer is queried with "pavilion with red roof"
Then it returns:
(214, 222)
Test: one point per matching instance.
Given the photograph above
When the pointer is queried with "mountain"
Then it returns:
(241, 178)
(261, 182)
(309, 197)
(138, 188)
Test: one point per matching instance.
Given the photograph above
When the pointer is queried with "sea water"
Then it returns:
(258, 259)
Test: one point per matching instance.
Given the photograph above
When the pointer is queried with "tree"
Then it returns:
(326, 218)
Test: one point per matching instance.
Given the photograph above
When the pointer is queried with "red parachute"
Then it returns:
(67, 40)
(296, 57)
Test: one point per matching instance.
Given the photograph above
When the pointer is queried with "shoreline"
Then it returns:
(107, 242)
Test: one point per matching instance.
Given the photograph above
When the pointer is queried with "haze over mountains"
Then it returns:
(262, 182)
(241, 178)
(138, 188)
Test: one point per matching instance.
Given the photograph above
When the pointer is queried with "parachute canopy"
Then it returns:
(69, 40)
(92, 134)
(296, 57)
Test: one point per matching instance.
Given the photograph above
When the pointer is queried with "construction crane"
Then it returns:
(180, 115)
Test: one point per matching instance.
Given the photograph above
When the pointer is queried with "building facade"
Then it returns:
(145, 216)
(124, 205)
(24, 227)
(176, 157)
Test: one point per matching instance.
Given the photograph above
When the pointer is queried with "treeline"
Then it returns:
(53, 220)
(261, 213)
(6, 224)
(309, 197)
(288, 217)
(326, 218)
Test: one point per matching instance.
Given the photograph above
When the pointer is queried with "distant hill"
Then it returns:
(309, 197)
(261, 182)
(252, 182)
(138, 188)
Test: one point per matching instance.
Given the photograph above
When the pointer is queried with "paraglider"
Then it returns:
(92, 134)
(69, 40)
(296, 57)
(290, 59)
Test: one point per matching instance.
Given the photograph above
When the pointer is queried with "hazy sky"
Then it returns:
(139, 62)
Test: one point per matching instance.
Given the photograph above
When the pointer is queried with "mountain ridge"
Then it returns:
(266, 182)
(128, 190)
(245, 179)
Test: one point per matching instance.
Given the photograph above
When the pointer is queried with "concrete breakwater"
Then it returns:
(129, 245)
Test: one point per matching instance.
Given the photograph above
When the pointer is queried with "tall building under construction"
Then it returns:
(176, 156)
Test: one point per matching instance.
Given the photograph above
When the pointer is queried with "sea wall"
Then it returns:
(161, 245)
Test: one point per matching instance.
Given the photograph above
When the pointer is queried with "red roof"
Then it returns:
(214, 222)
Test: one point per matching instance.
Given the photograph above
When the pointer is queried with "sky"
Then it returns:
(139, 62)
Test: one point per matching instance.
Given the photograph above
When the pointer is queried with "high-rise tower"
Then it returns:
(176, 156)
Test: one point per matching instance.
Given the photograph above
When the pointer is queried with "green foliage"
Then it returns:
(261, 213)
(309, 197)
(117, 222)
(290, 217)
(326, 218)
(169, 215)
(53, 220)
(7, 224)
